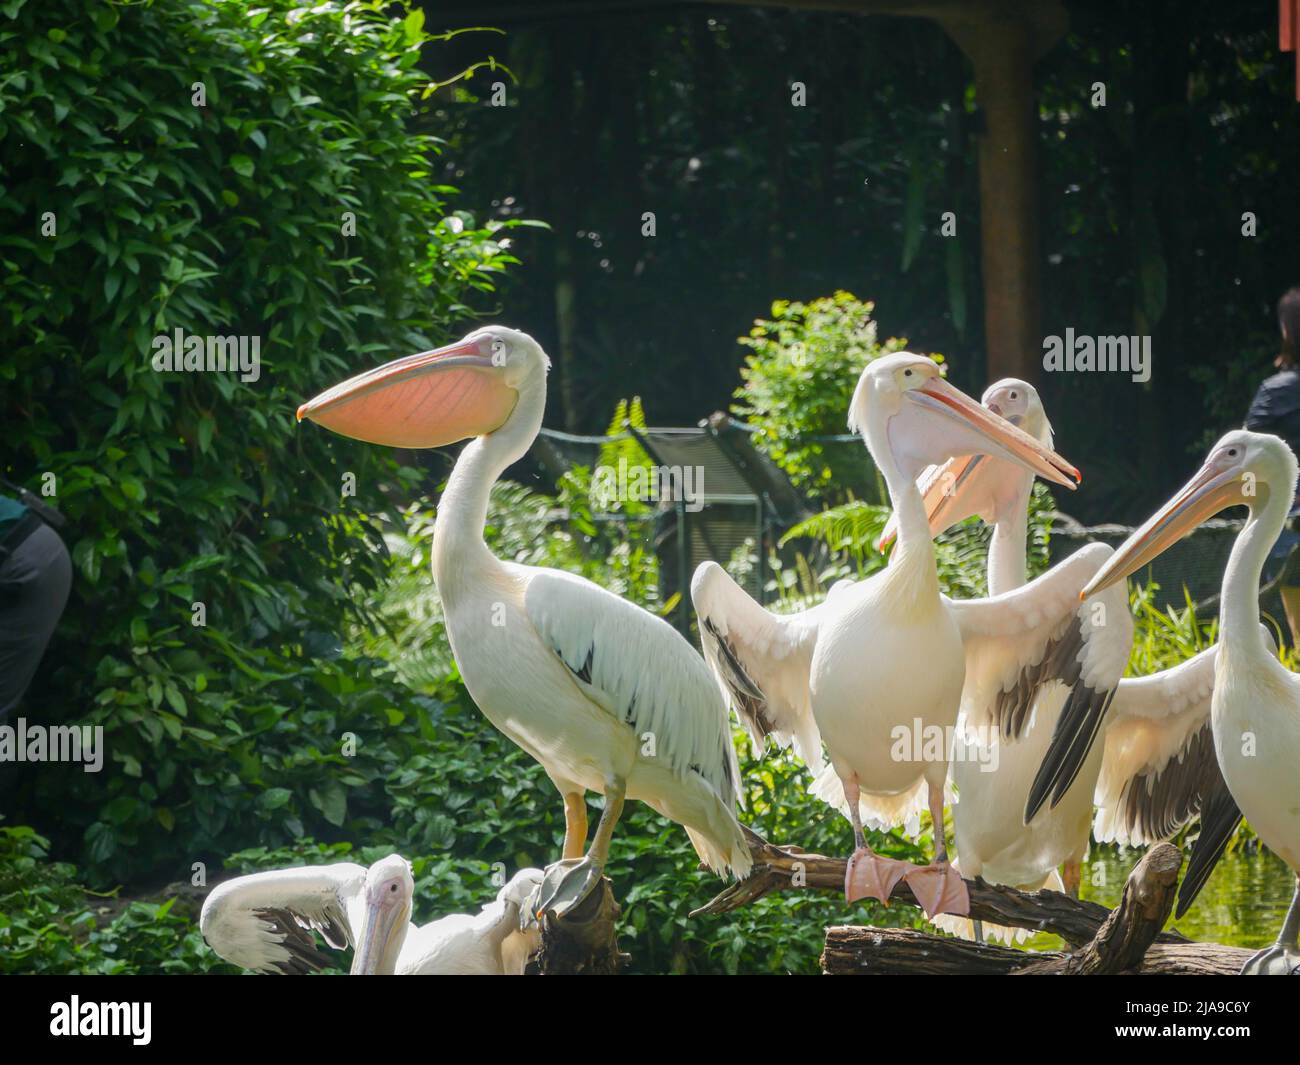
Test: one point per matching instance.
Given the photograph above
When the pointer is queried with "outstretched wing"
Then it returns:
(264, 921)
(641, 670)
(1161, 768)
(761, 661)
(1159, 761)
(1020, 641)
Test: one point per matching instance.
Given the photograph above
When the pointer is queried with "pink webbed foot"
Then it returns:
(869, 876)
(939, 888)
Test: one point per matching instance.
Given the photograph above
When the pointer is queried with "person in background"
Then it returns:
(1276, 409)
(35, 578)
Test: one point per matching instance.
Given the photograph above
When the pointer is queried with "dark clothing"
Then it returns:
(1276, 408)
(34, 584)
(10, 511)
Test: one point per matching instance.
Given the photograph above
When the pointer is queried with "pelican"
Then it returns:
(264, 922)
(881, 665)
(606, 696)
(1149, 726)
(1255, 706)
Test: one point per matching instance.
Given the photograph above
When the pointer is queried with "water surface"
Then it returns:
(1242, 904)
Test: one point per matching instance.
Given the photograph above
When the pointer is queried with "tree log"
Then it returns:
(1124, 942)
(793, 869)
(583, 941)
(852, 950)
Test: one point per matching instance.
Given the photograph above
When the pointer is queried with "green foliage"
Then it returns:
(851, 531)
(797, 387)
(184, 488)
(49, 924)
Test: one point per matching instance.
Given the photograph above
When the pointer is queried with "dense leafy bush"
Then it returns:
(131, 211)
(797, 386)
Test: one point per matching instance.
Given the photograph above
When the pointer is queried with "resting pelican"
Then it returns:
(889, 660)
(1255, 707)
(264, 922)
(606, 696)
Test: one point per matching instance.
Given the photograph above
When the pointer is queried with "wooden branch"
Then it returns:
(1133, 925)
(853, 950)
(794, 869)
(1123, 943)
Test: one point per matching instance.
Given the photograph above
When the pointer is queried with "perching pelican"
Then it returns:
(1255, 708)
(875, 670)
(606, 696)
(1149, 724)
(264, 922)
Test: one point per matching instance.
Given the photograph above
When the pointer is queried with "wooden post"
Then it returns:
(1003, 45)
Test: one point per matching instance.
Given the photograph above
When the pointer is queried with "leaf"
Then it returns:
(242, 165)
(331, 800)
(274, 799)
(120, 810)
(207, 426)
(413, 25)
(86, 560)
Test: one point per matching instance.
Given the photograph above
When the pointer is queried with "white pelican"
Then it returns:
(264, 922)
(1255, 708)
(875, 670)
(1151, 724)
(606, 696)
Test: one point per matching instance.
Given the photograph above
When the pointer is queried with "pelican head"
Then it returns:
(386, 901)
(926, 421)
(1243, 468)
(1017, 401)
(978, 484)
(469, 388)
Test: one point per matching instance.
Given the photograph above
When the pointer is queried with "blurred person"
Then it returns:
(1276, 409)
(35, 578)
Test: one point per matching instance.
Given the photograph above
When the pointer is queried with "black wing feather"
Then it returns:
(1220, 817)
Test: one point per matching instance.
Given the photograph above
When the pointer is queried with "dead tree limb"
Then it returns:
(1125, 942)
(793, 869)
(583, 941)
(900, 951)
(1121, 942)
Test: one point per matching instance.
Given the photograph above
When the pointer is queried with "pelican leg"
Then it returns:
(1071, 877)
(569, 881)
(1283, 957)
(575, 824)
(938, 887)
(978, 926)
(867, 875)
